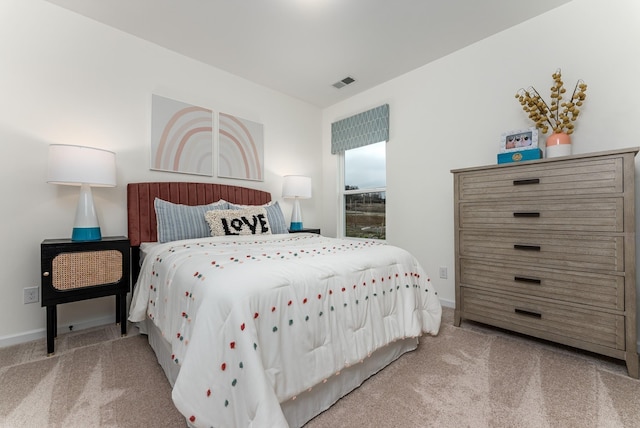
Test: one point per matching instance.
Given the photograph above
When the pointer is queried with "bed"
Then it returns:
(264, 328)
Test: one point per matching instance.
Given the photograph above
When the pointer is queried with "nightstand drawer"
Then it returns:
(571, 178)
(73, 270)
(574, 326)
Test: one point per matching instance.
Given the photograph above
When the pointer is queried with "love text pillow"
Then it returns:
(247, 221)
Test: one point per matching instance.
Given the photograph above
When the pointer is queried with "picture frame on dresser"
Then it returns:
(517, 140)
(550, 250)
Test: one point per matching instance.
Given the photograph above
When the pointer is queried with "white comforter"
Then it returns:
(255, 321)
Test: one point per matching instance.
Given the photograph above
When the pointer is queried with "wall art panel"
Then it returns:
(240, 148)
(181, 137)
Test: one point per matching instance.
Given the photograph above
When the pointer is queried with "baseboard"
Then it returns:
(41, 333)
(448, 303)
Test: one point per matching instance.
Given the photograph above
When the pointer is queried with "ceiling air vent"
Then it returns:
(344, 82)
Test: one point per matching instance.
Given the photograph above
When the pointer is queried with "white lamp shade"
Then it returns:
(296, 186)
(77, 165)
(85, 167)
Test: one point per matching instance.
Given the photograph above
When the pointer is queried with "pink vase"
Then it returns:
(558, 144)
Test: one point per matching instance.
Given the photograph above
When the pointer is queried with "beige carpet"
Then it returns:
(481, 377)
(95, 379)
(465, 377)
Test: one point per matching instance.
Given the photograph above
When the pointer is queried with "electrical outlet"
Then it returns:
(31, 295)
(443, 272)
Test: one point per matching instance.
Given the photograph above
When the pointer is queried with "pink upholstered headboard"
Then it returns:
(141, 215)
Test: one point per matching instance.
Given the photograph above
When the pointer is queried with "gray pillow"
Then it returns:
(177, 221)
(274, 215)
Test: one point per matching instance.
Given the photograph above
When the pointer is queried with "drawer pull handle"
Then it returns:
(526, 247)
(525, 279)
(528, 313)
(526, 181)
(45, 273)
(526, 214)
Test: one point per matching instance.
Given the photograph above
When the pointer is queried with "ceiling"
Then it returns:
(302, 47)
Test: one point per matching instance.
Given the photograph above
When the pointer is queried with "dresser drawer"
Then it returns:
(562, 251)
(572, 325)
(586, 215)
(575, 178)
(597, 290)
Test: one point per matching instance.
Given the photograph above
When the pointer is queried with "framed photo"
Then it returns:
(521, 139)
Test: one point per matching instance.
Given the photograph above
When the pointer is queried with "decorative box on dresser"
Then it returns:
(547, 248)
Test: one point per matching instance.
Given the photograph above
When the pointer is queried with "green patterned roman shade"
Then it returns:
(369, 127)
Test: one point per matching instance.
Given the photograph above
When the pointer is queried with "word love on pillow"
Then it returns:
(248, 221)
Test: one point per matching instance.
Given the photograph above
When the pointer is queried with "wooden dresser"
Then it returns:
(547, 248)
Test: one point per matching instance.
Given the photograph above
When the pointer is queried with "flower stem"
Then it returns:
(538, 97)
(575, 89)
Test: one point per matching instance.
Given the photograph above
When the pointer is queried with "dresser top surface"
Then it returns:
(630, 150)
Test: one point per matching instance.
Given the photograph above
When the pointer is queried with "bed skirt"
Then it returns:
(310, 403)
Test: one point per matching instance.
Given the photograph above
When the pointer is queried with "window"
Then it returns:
(361, 142)
(364, 196)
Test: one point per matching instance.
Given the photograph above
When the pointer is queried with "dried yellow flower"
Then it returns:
(559, 115)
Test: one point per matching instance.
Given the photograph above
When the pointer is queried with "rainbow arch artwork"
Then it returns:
(240, 148)
(181, 137)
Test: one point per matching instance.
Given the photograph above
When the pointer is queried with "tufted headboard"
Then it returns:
(141, 215)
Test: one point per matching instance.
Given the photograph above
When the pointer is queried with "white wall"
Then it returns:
(67, 79)
(450, 114)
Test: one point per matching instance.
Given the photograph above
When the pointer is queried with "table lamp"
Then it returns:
(84, 167)
(296, 187)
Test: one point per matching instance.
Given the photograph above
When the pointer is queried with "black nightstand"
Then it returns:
(305, 231)
(79, 270)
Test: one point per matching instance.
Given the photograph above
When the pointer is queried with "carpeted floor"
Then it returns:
(465, 377)
(95, 379)
(481, 377)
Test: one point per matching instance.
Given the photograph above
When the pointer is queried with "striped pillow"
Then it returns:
(274, 214)
(177, 221)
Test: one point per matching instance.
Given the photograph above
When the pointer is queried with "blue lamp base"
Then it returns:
(86, 234)
(295, 226)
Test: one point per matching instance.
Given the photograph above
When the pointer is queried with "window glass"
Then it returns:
(365, 181)
(365, 167)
